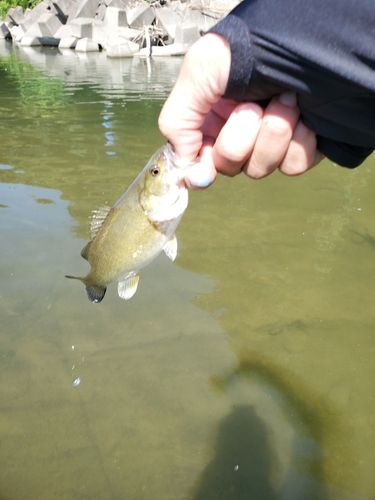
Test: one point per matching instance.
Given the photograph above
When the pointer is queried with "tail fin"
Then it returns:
(95, 293)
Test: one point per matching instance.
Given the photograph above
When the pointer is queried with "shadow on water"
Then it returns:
(243, 460)
(320, 445)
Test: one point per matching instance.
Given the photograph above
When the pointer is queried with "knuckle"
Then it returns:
(277, 126)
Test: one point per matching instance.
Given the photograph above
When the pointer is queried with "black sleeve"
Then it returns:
(324, 50)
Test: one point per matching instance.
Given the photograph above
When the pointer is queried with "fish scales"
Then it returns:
(137, 228)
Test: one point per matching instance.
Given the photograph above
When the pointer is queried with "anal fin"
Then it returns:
(127, 288)
(170, 248)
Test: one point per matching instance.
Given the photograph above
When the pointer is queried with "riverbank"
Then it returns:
(121, 28)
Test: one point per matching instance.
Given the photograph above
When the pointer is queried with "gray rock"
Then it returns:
(87, 45)
(49, 24)
(140, 16)
(82, 27)
(4, 31)
(68, 42)
(115, 17)
(84, 8)
(122, 48)
(167, 20)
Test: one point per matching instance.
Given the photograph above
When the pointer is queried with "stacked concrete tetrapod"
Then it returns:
(122, 28)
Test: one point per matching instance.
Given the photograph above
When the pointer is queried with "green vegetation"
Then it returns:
(5, 5)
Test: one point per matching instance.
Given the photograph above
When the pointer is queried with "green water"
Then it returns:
(243, 370)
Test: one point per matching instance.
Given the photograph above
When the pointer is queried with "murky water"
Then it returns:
(244, 370)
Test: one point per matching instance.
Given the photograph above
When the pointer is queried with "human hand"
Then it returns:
(227, 136)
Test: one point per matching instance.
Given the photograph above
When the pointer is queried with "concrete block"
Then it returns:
(100, 12)
(166, 19)
(87, 45)
(62, 7)
(4, 31)
(201, 20)
(17, 33)
(84, 8)
(33, 15)
(64, 31)
(49, 24)
(49, 41)
(16, 15)
(117, 3)
(122, 48)
(140, 16)
(115, 17)
(30, 41)
(162, 51)
(186, 33)
(104, 34)
(82, 27)
(34, 31)
(68, 42)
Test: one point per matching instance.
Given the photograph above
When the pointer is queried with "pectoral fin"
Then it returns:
(127, 288)
(170, 248)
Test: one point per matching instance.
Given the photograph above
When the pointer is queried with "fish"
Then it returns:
(129, 235)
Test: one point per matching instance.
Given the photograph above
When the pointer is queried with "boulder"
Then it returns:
(87, 45)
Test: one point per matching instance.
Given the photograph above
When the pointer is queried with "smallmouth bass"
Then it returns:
(142, 223)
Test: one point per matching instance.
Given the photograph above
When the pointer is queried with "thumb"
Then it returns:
(201, 83)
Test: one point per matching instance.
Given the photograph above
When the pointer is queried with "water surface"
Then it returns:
(245, 369)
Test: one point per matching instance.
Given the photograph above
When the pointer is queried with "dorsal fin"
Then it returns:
(96, 220)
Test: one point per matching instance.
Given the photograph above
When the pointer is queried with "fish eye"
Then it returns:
(154, 170)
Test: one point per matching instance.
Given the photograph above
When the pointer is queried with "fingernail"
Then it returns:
(288, 99)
